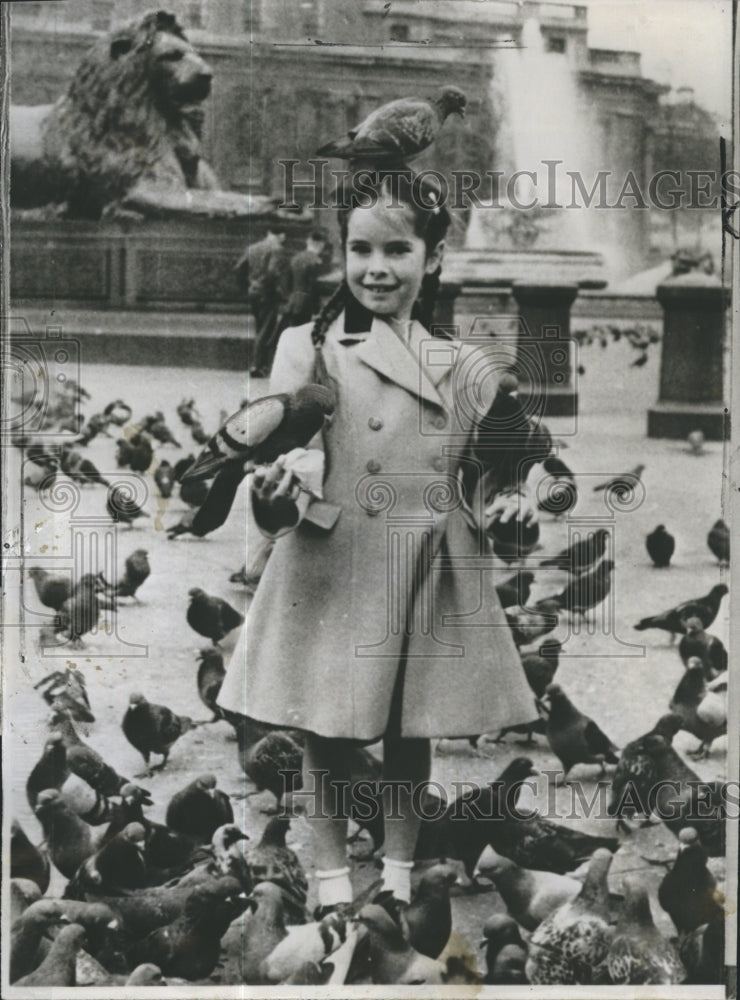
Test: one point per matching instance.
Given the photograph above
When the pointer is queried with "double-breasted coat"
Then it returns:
(391, 570)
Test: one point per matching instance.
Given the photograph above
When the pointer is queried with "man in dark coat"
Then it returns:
(305, 269)
(263, 269)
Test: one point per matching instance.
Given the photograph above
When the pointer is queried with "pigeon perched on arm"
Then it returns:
(262, 431)
(574, 737)
(660, 545)
(718, 541)
(151, 728)
(210, 616)
(397, 131)
(705, 608)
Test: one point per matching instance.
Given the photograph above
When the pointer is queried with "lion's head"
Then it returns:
(132, 112)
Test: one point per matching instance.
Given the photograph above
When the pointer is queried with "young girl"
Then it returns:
(377, 616)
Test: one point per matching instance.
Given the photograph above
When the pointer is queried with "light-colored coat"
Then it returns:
(391, 562)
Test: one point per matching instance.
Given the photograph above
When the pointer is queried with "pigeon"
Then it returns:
(637, 772)
(506, 440)
(539, 669)
(199, 433)
(639, 954)
(214, 506)
(275, 763)
(117, 412)
(58, 968)
(122, 507)
(687, 702)
(688, 892)
(136, 571)
(580, 554)
(26, 860)
(271, 860)
(702, 952)
(574, 737)
(164, 477)
(397, 131)
(570, 944)
(695, 441)
(210, 616)
(52, 591)
(146, 974)
(156, 426)
(489, 815)
(102, 925)
(200, 808)
(514, 592)
(660, 546)
(680, 799)
(80, 469)
(85, 762)
(561, 494)
(50, 771)
(506, 953)
(705, 608)
(527, 626)
(718, 541)
(623, 483)
(587, 591)
(136, 453)
(698, 643)
(264, 929)
(66, 690)
(530, 895)
(151, 728)
(68, 838)
(384, 954)
(26, 935)
(260, 432)
(97, 424)
(79, 614)
(211, 673)
(187, 412)
(23, 893)
(190, 946)
(428, 917)
(118, 866)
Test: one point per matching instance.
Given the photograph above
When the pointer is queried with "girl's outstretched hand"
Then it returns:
(275, 492)
(511, 504)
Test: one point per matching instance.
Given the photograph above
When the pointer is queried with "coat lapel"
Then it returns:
(417, 370)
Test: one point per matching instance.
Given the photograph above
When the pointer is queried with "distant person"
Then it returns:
(263, 270)
(306, 267)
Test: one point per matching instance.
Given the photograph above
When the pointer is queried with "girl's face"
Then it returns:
(385, 259)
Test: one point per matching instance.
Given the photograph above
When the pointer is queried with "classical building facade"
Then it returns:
(290, 74)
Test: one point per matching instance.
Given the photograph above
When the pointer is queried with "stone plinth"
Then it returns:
(691, 368)
(544, 344)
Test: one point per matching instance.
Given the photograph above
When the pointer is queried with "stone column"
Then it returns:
(544, 343)
(691, 365)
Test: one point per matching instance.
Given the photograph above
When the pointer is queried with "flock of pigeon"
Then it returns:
(148, 903)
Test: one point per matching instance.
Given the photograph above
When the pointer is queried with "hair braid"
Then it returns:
(423, 310)
(331, 310)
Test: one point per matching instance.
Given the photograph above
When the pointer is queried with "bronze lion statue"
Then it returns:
(127, 133)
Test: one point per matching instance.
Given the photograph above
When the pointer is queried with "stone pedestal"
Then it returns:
(691, 366)
(544, 344)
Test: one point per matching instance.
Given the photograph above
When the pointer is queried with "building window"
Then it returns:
(399, 32)
(556, 43)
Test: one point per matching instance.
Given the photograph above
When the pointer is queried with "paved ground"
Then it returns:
(623, 678)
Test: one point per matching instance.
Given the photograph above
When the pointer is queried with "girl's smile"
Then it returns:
(385, 260)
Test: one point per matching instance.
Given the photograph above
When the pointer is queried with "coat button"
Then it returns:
(440, 464)
(440, 422)
(375, 423)
(373, 466)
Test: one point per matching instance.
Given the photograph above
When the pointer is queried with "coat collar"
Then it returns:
(384, 351)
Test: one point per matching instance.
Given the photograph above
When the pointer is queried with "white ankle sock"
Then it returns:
(334, 886)
(397, 878)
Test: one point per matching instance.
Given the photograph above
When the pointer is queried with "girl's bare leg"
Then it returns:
(407, 762)
(326, 761)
